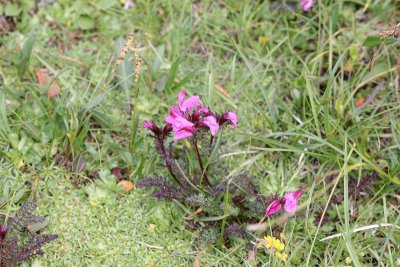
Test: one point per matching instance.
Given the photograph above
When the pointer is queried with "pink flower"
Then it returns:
(182, 128)
(230, 117)
(188, 104)
(306, 4)
(274, 207)
(189, 116)
(210, 122)
(291, 200)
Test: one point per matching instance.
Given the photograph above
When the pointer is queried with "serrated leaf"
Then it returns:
(12, 10)
(86, 22)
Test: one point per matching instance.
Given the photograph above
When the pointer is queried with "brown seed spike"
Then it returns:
(125, 49)
(138, 62)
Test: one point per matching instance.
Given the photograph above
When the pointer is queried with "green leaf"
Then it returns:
(85, 22)
(105, 4)
(377, 40)
(3, 116)
(93, 102)
(212, 218)
(172, 75)
(12, 10)
(26, 54)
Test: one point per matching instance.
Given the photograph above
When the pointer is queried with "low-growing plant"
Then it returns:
(18, 229)
(201, 183)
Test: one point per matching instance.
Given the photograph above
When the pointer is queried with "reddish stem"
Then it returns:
(167, 164)
(200, 162)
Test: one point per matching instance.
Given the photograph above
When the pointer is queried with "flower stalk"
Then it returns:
(203, 172)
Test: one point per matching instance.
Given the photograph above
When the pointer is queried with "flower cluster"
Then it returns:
(275, 245)
(289, 202)
(184, 121)
(188, 117)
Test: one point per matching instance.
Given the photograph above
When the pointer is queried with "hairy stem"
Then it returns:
(167, 164)
(203, 173)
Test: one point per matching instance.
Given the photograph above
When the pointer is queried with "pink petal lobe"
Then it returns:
(189, 103)
(181, 122)
(181, 97)
(273, 208)
(306, 4)
(182, 128)
(232, 117)
(182, 134)
(211, 123)
(152, 127)
(148, 124)
(291, 200)
(173, 114)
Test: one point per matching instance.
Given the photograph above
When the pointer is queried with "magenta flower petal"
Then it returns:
(189, 103)
(211, 123)
(273, 208)
(173, 114)
(229, 116)
(181, 97)
(148, 124)
(306, 4)
(183, 133)
(182, 128)
(152, 127)
(181, 122)
(202, 110)
(291, 200)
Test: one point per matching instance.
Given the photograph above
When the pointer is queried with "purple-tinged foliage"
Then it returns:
(25, 217)
(235, 230)
(12, 252)
(151, 182)
(168, 193)
(242, 182)
(364, 186)
(165, 189)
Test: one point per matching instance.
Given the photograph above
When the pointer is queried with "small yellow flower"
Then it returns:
(268, 241)
(272, 242)
(281, 256)
(348, 260)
